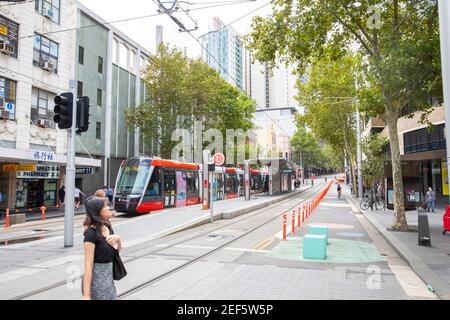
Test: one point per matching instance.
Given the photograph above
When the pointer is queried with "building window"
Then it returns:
(123, 56)
(100, 65)
(45, 53)
(80, 89)
(132, 56)
(42, 108)
(7, 98)
(49, 9)
(424, 139)
(80, 55)
(9, 32)
(114, 52)
(98, 131)
(99, 97)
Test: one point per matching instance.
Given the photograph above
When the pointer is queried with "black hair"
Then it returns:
(93, 219)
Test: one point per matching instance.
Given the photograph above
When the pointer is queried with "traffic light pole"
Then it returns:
(70, 173)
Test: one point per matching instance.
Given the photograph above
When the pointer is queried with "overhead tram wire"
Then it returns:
(236, 20)
(104, 24)
(130, 19)
(226, 71)
(211, 2)
(15, 3)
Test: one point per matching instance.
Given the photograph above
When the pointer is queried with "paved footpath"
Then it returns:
(432, 263)
(359, 265)
(32, 265)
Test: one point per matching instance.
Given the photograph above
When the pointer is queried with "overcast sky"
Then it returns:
(143, 30)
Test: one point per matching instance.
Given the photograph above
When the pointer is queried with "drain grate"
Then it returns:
(40, 230)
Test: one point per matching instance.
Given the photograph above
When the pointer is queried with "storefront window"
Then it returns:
(37, 188)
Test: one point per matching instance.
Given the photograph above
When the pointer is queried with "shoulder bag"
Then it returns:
(119, 270)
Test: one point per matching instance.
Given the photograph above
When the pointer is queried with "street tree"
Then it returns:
(307, 149)
(328, 95)
(398, 41)
(182, 90)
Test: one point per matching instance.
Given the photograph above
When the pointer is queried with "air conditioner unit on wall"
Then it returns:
(48, 14)
(43, 123)
(47, 65)
(6, 48)
(4, 114)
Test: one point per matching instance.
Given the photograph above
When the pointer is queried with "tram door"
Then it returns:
(170, 189)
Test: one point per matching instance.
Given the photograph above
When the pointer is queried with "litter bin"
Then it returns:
(424, 229)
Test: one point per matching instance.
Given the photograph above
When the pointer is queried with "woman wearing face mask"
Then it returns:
(100, 245)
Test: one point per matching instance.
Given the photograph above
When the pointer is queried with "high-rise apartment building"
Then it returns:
(224, 52)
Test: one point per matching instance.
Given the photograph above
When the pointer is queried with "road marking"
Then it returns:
(263, 244)
(336, 205)
(245, 250)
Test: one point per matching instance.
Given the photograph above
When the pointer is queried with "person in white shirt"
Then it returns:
(76, 194)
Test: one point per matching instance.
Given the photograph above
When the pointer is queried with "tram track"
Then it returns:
(168, 273)
(307, 195)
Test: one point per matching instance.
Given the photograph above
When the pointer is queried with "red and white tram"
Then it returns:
(148, 184)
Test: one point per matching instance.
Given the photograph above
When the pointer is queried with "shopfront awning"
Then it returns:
(33, 156)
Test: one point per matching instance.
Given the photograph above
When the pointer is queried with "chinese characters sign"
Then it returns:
(43, 155)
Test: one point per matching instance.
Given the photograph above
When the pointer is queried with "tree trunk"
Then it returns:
(397, 177)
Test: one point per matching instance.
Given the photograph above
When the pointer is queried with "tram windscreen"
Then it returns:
(133, 177)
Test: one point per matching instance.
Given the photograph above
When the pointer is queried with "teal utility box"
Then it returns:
(323, 230)
(314, 246)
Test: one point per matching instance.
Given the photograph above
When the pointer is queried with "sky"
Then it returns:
(143, 30)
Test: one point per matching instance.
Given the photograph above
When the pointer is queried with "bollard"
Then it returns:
(298, 217)
(7, 219)
(284, 226)
(293, 221)
(43, 212)
(303, 213)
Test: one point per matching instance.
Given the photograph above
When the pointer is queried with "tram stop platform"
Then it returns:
(32, 265)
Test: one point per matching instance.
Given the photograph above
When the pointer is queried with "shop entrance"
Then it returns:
(33, 193)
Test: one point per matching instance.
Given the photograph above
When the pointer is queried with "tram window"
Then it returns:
(230, 183)
(191, 182)
(169, 181)
(154, 183)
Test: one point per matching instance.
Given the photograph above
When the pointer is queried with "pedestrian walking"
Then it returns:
(101, 248)
(430, 198)
(76, 194)
(61, 195)
(110, 193)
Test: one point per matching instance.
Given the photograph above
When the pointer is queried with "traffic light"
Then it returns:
(83, 114)
(63, 110)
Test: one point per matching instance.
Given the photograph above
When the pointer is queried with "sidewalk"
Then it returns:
(359, 265)
(432, 264)
(49, 213)
(36, 264)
